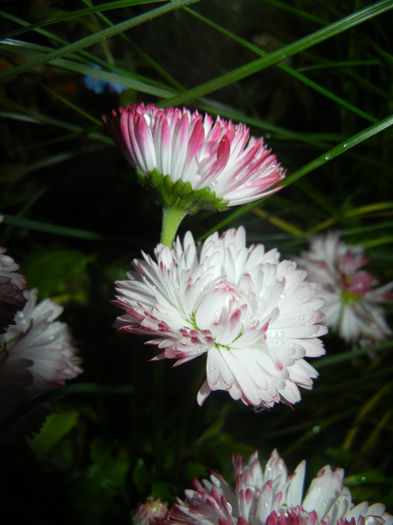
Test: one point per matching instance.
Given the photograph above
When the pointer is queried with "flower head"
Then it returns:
(270, 497)
(192, 161)
(8, 270)
(255, 317)
(351, 298)
(11, 286)
(38, 347)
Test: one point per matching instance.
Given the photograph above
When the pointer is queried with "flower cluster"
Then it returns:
(351, 298)
(255, 317)
(192, 161)
(270, 497)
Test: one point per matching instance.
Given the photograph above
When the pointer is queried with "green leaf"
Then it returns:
(55, 428)
(58, 272)
(97, 37)
(302, 44)
(365, 478)
(109, 467)
(284, 67)
(140, 474)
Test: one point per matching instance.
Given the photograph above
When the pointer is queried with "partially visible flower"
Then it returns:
(152, 512)
(192, 161)
(11, 301)
(270, 497)
(98, 85)
(8, 270)
(255, 317)
(39, 345)
(11, 286)
(350, 293)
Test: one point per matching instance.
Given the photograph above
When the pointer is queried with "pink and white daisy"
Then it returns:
(39, 347)
(8, 270)
(270, 497)
(11, 286)
(351, 298)
(193, 161)
(255, 317)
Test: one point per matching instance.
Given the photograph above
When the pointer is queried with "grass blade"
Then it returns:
(255, 66)
(96, 37)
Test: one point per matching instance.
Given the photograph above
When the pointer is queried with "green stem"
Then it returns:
(171, 219)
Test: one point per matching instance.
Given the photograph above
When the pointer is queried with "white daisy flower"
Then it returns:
(254, 317)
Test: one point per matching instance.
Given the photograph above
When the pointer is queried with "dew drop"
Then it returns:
(345, 145)
(328, 157)
(316, 429)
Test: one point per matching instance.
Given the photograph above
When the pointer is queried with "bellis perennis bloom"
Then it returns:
(38, 349)
(255, 317)
(270, 497)
(11, 285)
(351, 298)
(193, 161)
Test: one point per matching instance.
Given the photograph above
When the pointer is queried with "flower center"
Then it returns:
(356, 286)
(223, 312)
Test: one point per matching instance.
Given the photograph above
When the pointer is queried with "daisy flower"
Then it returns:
(193, 162)
(39, 347)
(351, 297)
(254, 317)
(270, 497)
(11, 286)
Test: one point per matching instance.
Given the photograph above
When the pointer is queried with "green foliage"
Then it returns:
(108, 469)
(55, 427)
(58, 273)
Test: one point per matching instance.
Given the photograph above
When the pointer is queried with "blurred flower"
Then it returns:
(152, 512)
(36, 351)
(40, 345)
(270, 497)
(11, 286)
(351, 299)
(8, 268)
(255, 317)
(98, 85)
(192, 161)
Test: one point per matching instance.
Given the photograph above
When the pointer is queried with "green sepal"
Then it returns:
(181, 194)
